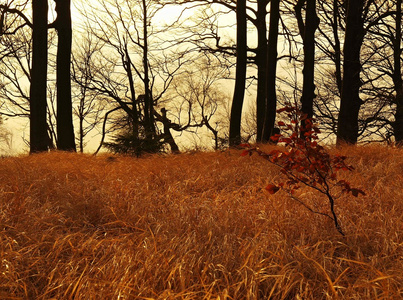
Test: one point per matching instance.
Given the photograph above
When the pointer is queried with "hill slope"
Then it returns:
(194, 226)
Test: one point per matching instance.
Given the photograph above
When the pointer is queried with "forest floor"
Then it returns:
(195, 226)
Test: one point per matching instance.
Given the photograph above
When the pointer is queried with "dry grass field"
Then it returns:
(194, 226)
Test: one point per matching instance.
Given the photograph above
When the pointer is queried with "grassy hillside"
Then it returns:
(194, 226)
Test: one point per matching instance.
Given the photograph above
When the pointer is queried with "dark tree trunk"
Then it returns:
(134, 115)
(240, 76)
(38, 126)
(308, 34)
(148, 99)
(347, 130)
(65, 129)
(261, 62)
(81, 128)
(167, 132)
(271, 104)
(337, 47)
(397, 76)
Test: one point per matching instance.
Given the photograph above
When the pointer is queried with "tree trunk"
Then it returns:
(38, 126)
(397, 76)
(134, 115)
(337, 47)
(308, 34)
(167, 133)
(240, 76)
(65, 129)
(347, 130)
(81, 126)
(271, 104)
(261, 62)
(148, 99)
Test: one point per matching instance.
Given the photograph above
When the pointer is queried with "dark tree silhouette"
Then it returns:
(397, 76)
(38, 126)
(240, 77)
(271, 101)
(347, 131)
(307, 32)
(65, 129)
(261, 62)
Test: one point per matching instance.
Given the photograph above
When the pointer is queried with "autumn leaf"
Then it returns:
(272, 189)
(246, 152)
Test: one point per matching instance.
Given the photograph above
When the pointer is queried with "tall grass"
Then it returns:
(194, 226)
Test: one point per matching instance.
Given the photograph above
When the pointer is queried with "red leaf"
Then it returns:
(245, 152)
(285, 140)
(272, 189)
(281, 123)
(300, 169)
(274, 153)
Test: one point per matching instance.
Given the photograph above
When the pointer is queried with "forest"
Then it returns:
(298, 104)
(160, 76)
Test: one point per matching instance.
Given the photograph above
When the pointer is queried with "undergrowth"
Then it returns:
(194, 226)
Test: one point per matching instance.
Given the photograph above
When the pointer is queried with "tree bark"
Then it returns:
(240, 76)
(148, 99)
(307, 32)
(271, 104)
(347, 130)
(167, 132)
(261, 62)
(38, 125)
(397, 76)
(65, 129)
(337, 46)
(134, 115)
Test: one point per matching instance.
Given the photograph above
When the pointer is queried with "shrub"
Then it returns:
(306, 163)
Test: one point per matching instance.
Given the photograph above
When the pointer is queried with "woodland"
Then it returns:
(142, 77)
(302, 98)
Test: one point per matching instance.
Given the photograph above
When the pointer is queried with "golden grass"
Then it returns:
(194, 226)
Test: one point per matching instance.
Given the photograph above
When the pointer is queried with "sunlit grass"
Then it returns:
(194, 226)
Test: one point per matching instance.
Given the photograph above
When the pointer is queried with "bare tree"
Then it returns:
(88, 104)
(198, 100)
(138, 67)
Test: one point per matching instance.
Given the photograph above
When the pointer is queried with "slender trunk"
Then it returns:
(148, 101)
(38, 125)
(65, 129)
(308, 89)
(271, 104)
(81, 129)
(134, 116)
(347, 131)
(397, 76)
(337, 47)
(261, 61)
(240, 76)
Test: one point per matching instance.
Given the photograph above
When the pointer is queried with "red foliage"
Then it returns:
(272, 189)
(304, 162)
